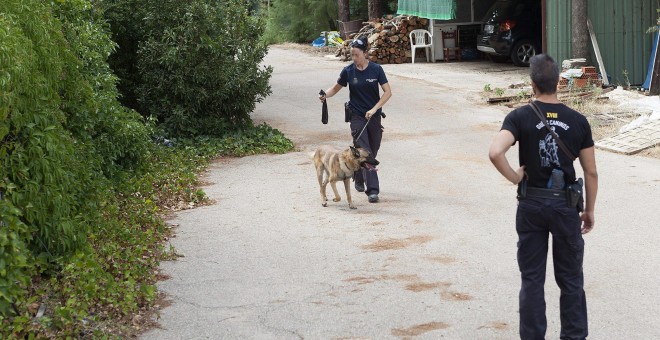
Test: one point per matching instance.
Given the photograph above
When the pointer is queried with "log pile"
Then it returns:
(389, 39)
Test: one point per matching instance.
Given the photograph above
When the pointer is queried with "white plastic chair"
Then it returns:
(418, 40)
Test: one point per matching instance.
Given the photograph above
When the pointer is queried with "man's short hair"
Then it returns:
(544, 73)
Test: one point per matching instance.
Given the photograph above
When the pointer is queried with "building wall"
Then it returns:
(620, 28)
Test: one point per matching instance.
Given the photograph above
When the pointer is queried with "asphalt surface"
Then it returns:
(434, 259)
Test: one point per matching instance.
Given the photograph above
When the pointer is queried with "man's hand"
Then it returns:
(521, 174)
(370, 113)
(587, 218)
(322, 98)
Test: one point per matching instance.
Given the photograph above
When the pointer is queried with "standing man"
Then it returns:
(545, 172)
(363, 79)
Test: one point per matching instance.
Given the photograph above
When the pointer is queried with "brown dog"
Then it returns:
(333, 165)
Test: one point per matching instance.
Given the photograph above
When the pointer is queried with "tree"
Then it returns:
(343, 10)
(375, 9)
(580, 32)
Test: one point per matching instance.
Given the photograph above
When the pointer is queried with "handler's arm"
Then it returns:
(501, 144)
(588, 163)
(387, 94)
(331, 91)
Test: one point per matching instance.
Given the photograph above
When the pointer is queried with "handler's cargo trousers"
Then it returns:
(369, 140)
(535, 219)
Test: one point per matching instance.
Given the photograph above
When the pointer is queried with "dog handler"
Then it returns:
(546, 178)
(363, 78)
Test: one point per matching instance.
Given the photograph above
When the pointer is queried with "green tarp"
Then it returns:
(431, 9)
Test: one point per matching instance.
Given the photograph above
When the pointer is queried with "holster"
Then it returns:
(522, 189)
(574, 195)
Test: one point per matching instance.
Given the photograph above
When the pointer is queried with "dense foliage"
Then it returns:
(194, 65)
(62, 133)
(82, 185)
(286, 23)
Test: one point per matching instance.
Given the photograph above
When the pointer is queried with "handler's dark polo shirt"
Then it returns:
(363, 85)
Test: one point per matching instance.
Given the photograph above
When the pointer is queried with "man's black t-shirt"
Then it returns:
(538, 151)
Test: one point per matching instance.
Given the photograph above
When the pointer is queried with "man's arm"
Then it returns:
(588, 163)
(501, 144)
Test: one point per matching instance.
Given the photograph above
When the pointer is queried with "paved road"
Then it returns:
(434, 259)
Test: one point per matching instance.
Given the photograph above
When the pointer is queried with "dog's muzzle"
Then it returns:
(370, 164)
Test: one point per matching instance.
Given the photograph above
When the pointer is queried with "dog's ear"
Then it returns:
(355, 151)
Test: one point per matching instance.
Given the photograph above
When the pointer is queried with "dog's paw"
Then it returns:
(325, 204)
(336, 199)
(352, 207)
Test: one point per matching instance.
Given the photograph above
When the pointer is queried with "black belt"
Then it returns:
(546, 193)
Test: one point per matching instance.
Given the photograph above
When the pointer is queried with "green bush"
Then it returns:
(300, 20)
(40, 177)
(62, 132)
(82, 186)
(193, 65)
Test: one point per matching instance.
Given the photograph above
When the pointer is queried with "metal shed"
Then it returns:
(620, 28)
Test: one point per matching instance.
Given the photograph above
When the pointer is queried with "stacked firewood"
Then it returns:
(389, 39)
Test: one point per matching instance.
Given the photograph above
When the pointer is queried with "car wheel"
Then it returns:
(522, 51)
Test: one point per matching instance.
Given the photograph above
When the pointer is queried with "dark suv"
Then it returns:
(512, 29)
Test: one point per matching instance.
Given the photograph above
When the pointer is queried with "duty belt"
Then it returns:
(546, 193)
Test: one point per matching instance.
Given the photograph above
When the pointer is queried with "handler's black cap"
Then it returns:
(360, 43)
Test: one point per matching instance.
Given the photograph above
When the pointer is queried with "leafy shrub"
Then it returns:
(197, 62)
(81, 185)
(287, 23)
(62, 134)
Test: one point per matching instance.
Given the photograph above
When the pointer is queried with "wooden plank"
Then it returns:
(654, 89)
(597, 52)
(495, 100)
(633, 141)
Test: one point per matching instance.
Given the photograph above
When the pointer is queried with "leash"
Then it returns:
(364, 127)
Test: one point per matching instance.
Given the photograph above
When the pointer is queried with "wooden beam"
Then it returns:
(654, 89)
(601, 66)
(544, 23)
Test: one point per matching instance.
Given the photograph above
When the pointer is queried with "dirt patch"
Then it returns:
(497, 325)
(395, 244)
(309, 49)
(441, 259)
(454, 296)
(470, 158)
(148, 319)
(653, 152)
(419, 329)
(426, 286)
(361, 280)
(486, 127)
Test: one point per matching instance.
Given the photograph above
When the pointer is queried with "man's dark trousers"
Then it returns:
(535, 219)
(369, 140)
